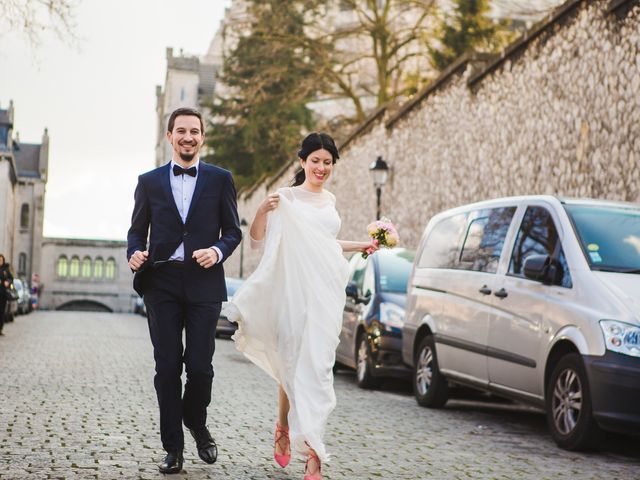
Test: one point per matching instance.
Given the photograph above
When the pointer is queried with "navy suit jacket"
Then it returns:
(212, 220)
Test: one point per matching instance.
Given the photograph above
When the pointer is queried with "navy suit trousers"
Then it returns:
(168, 313)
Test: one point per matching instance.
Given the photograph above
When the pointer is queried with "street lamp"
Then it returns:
(243, 223)
(379, 172)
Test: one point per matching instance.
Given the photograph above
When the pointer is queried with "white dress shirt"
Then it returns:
(182, 187)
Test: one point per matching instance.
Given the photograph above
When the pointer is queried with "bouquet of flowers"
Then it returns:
(383, 233)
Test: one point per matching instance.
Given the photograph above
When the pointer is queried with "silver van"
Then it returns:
(536, 299)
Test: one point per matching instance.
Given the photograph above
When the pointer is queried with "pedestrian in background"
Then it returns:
(5, 283)
(290, 308)
(36, 288)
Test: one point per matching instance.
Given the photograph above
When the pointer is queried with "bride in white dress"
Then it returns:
(289, 311)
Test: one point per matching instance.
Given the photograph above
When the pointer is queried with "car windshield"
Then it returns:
(395, 267)
(610, 236)
(232, 285)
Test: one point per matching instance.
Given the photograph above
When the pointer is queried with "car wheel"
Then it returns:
(337, 366)
(569, 408)
(364, 374)
(430, 387)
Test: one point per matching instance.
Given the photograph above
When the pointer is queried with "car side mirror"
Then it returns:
(352, 291)
(541, 268)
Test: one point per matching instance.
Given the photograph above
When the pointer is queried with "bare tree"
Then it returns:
(32, 18)
(381, 54)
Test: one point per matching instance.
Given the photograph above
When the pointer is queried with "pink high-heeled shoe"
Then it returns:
(317, 474)
(282, 433)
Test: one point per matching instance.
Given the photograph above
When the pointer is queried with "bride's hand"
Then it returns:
(370, 247)
(269, 203)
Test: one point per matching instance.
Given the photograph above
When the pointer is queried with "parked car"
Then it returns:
(23, 302)
(225, 327)
(139, 308)
(533, 298)
(11, 309)
(371, 335)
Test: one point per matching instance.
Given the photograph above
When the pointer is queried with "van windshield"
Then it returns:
(395, 267)
(610, 236)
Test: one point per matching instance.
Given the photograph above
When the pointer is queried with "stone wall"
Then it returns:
(558, 113)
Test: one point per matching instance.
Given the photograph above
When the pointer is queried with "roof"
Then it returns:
(184, 63)
(27, 157)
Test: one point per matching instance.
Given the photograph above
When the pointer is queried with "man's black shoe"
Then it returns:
(207, 448)
(172, 463)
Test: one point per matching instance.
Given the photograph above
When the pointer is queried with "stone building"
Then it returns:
(8, 180)
(23, 179)
(557, 112)
(87, 274)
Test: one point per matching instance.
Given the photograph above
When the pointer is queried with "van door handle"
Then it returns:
(502, 293)
(485, 290)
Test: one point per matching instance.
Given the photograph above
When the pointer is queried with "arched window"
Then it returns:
(98, 268)
(110, 269)
(24, 216)
(74, 267)
(22, 264)
(86, 267)
(63, 266)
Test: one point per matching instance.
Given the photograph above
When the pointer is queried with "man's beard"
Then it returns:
(187, 157)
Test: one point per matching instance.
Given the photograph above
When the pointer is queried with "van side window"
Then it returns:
(442, 246)
(485, 238)
(538, 236)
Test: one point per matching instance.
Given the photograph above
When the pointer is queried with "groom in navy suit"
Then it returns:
(190, 209)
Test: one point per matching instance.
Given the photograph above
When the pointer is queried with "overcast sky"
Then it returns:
(98, 102)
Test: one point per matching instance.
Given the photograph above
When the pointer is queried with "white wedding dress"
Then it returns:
(289, 311)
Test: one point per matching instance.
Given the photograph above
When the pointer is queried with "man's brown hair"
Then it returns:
(184, 111)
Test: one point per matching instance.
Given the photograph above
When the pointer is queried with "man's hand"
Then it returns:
(206, 257)
(137, 259)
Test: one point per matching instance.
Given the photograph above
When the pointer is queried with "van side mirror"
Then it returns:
(542, 268)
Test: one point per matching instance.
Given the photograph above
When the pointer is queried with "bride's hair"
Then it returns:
(313, 142)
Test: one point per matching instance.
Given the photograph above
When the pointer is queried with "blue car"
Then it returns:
(225, 327)
(371, 335)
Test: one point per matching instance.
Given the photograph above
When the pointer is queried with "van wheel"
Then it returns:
(569, 408)
(429, 385)
(364, 368)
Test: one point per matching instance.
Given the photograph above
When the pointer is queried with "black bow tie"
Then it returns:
(178, 170)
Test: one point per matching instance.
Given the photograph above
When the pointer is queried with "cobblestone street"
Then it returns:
(77, 401)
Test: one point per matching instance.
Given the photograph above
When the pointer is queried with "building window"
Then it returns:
(4, 137)
(63, 266)
(110, 269)
(182, 94)
(74, 267)
(98, 268)
(22, 264)
(24, 216)
(86, 267)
